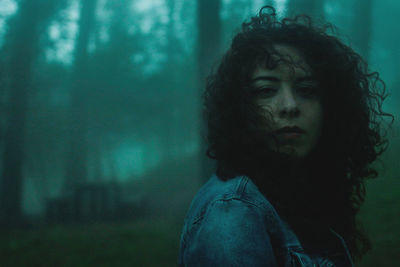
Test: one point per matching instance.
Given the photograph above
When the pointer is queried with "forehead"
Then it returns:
(288, 53)
(290, 64)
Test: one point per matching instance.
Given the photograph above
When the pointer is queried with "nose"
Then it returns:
(288, 104)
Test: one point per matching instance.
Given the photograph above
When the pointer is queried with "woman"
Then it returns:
(292, 117)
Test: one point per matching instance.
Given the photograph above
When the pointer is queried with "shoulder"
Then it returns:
(241, 189)
(226, 220)
(226, 226)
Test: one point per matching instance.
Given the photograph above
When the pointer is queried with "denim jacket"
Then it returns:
(231, 223)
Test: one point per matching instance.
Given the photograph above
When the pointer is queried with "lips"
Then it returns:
(290, 129)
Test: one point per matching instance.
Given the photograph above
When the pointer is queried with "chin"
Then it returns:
(294, 153)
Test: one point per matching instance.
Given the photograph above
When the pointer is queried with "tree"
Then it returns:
(22, 47)
(208, 49)
(361, 26)
(314, 8)
(76, 169)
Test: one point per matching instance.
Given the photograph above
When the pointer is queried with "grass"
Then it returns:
(140, 243)
(156, 242)
(381, 219)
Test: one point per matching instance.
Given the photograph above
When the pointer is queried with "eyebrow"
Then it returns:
(265, 78)
(275, 79)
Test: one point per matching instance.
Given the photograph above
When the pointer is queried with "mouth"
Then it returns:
(290, 132)
(291, 136)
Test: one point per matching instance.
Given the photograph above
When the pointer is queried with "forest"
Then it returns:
(101, 133)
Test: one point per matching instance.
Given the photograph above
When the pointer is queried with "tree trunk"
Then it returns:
(22, 43)
(361, 26)
(76, 169)
(209, 45)
(313, 8)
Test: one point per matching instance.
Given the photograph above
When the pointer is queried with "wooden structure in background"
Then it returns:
(92, 203)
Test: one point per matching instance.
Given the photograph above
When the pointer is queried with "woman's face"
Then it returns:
(290, 94)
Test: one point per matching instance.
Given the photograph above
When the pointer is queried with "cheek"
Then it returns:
(265, 104)
(315, 119)
(267, 111)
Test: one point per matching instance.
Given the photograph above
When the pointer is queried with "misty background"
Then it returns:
(101, 136)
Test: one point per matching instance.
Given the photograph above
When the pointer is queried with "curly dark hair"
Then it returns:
(352, 133)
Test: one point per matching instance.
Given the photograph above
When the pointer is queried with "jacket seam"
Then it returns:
(237, 193)
(223, 199)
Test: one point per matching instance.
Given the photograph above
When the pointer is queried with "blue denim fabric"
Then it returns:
(230, 223)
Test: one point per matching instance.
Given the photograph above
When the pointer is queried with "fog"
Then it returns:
(101, 121)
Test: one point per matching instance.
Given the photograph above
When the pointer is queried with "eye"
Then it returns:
(309, 91)
(265, 91)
